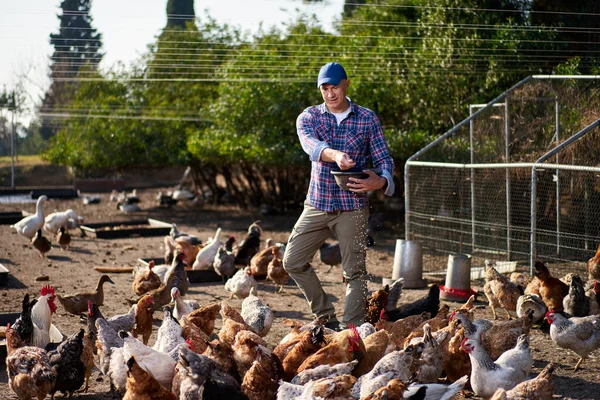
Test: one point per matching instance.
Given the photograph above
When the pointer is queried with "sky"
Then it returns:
(127, 26)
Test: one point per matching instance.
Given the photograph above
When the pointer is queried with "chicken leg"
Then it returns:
(578, 364)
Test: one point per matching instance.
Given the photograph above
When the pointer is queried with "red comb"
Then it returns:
(190, 343)
(452, 316)
(352, 327)
(47, 290)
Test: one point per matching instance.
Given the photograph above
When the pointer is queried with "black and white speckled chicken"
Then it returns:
(249, 246)
(224, 262)
(169, 334)
(67, 365)
(257, 314)
(24, 325)
(107, 340)
(576, 303)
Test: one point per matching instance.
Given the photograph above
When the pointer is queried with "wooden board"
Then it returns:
(115, 270)
(141, 228)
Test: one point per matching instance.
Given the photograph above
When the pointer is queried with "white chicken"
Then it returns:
(56, 220)
(29, 225)
(240, 284)
(531, 302)
(510, 369)
(256, 314)
(160, 365)
(41, 316)
(206, 256)
(579, 334)
(437, 391)
(169, 334)
(182, 307)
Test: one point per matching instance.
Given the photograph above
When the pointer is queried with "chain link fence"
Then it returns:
(519, 180)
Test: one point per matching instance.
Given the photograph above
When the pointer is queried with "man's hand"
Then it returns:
(344, 161)
(373, 182)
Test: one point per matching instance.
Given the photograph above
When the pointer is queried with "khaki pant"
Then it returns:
(312, 229)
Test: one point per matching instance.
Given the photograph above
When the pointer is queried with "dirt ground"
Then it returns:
(72, 271)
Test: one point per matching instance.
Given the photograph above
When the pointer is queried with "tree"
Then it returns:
(76, 48)
(179, 12)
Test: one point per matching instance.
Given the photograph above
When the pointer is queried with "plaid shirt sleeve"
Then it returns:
(381, 155)
(308, 138)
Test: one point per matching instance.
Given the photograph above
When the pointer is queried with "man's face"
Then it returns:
(335, 96)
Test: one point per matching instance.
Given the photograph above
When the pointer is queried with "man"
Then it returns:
(337, 135)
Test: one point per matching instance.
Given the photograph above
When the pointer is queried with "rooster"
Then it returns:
(344, 347)
(41, 316)
(249, 246)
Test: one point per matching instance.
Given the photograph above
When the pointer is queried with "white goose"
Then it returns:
(29, 226)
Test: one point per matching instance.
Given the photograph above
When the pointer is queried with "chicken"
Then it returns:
(107, 341)
(143, 318)
(400, 329)
(230, 329)
(194, 335)
(54, 221)
(576, 303)
(247, 348)
(332, 388)
(23, 326)
(393, 390)
(488, 376)
(533, 303)
(182, 307)
(395, 365)
(205, 317)
(276, 273)
(222, 354)
(160, 365)
(330, 254)
(189, 246)
(394, 294)
(177, 269)
(249, 246)
(538, 388)
(126, 322)
(366, 329)
(142, 386)
(429, 364)
(593, 266)
(259, 263)
(455, 361)
(578, 334)
(258, 384)
(500, 291)
(521, 280)
(145, 280)
(162, 295)
(594, 298)
(241, 283)
(436, 391)
(41, 316)
(224, 262)
(343, 347)
(533, 287)
(551, 290)
(41, 244)
(117, 371)
(169, 254)
(309, 343)
(377, 345)
(169, 334)
(87, 356)
(29, 371)
(29, 225)
(206, 256)
(78, 303)
(376, 303)
(67, 366)
(324, 371)
(256, 314)
(63, 238)
(436, 323)
(429, 303)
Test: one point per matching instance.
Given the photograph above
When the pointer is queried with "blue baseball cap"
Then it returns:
(331, 73)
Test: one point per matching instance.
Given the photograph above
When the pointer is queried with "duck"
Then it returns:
(78, 303)
(63, 238)
(41, 243)
(54, 221)
(182, 194)
(29, 225)
(128, 208)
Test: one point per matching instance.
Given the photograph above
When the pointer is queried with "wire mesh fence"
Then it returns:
(519, 180)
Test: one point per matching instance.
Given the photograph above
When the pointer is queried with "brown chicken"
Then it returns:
(400, 329)
(343, 347)
(189, 248)
(520, 279)
(29, 371)
(204, 317)
(533, 287)
(276, 273)
(336, 387)
(259, 263)
(500, 291)
(194, 334)
(289, 341)
(145, 281)
(538, 388)
(309, 342)
(229, 312)
(258, 384)
(143, 318)
(247, 347)
(222, 354)
(141, 385)
(87, 357)
(230, 329)
(376, 303)
(594, 266)
(552, 290)
(394, 390)
(377, 345)
(456, 362)
(436, 323)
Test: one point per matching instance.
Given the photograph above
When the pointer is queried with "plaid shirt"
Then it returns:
(360, 136)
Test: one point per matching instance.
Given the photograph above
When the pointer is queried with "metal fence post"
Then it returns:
(557, 109)
(471, 123)
(532, 248)
(406, 203)
(507, 172)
